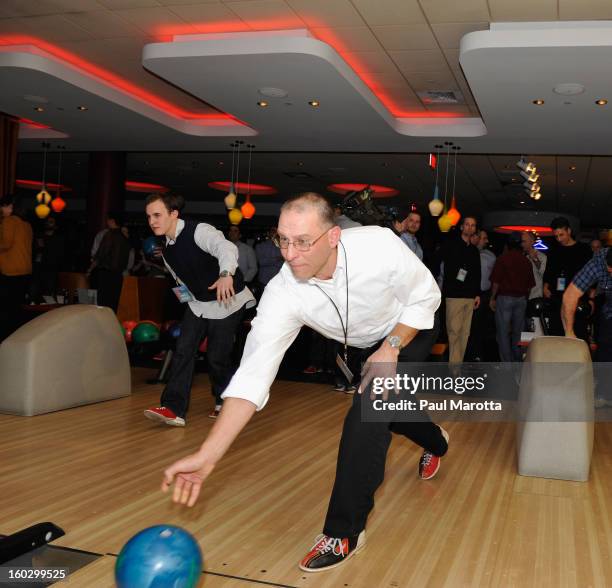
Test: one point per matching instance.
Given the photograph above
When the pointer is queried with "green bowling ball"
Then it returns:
(145, 332)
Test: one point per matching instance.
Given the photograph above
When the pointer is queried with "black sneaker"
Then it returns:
(331, 552)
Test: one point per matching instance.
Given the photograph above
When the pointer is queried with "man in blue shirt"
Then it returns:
(597, 271)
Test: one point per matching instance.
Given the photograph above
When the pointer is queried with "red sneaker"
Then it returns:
(429, 464)
(330, 552)
(161, 414)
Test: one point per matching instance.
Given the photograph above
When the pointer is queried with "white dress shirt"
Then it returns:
(487, 262)
(538, 275)
(212, 241)
(387, 284)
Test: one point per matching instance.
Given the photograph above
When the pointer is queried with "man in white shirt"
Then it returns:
(204, 265)
(392, 300)
(247, 260)
(537, 260)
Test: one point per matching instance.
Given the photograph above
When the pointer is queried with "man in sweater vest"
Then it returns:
(204, 265)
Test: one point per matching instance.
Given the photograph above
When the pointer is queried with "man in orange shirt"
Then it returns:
(15, 264)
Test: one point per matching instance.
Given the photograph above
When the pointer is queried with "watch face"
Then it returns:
(395, 341)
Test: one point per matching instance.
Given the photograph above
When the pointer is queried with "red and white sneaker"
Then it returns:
(331, 552)
(429, 464)
(162, 414)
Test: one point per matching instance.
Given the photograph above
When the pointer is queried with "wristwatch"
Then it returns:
(395, 341)
(225, 274)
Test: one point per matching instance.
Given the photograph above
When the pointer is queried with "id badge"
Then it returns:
(461, 274)
(560, 284)
(183, 294)
(348, 374)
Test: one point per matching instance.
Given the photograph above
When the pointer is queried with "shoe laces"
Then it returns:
(426, 458)
(324, 544)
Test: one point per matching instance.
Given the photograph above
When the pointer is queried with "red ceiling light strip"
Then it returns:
(131, 186)
(33, 124)
(542, 231)
(38, 46)
(378, 191)
(244, 188)
(37, 185)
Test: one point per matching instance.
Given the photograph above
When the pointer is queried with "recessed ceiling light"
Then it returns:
(314, 103)
(81, 107)
(35, 99)
(522, 202)
(568, 89)
(572, 181)
(273, 92)
(39, 109)
(262, 103)
(300, 163)
(601, 102)
(538, 102)
(220, 162)
(572, 167)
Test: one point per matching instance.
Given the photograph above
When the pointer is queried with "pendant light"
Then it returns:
(435, 205)
(444, 222)
(453, 214)
(43, 197)
(58, 203)
(247, 209)
(230, 199)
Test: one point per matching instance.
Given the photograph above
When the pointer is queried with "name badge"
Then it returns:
(348, 374)
(461, 274)
(560, 284)
(183, 294)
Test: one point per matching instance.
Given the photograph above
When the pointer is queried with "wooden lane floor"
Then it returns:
(95, 471)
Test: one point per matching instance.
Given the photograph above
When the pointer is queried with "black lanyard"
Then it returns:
(344, 325)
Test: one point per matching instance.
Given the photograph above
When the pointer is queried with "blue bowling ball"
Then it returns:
(163, 556)
(175, 331)
(149, 245)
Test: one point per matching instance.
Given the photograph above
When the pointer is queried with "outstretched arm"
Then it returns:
(188, 474)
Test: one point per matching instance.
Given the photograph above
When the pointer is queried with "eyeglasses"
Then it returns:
(299, 244)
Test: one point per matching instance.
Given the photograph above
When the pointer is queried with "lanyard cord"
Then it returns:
(344, 324)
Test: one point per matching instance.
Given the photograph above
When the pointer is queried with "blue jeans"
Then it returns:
(509, 320)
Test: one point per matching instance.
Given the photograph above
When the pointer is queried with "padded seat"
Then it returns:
(555, 430)
(67, 357)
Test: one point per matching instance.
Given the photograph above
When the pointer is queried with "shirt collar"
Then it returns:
(180, 225)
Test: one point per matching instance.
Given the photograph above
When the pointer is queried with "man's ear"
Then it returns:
(174, 213)
(334, 235)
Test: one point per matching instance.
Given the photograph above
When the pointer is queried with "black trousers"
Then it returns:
(220, 333)
(363, 452)
(109, 288)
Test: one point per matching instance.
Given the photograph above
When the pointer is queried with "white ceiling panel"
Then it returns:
(343, 38)
(154, 20)
(449, 35)
(419, 61)
(322, 13)
(585, 9)
(267, 14)
(405, 37)
(523, 10)
(390, 12)
(103, 24)
(463, 11)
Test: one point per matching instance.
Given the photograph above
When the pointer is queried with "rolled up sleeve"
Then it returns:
(414, 286)
(275, 327)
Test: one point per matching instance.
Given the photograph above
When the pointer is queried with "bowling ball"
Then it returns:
(149, 245)
(168, 325)
(158, 556)
(175, 331)
(145, 332)
(128, 327)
